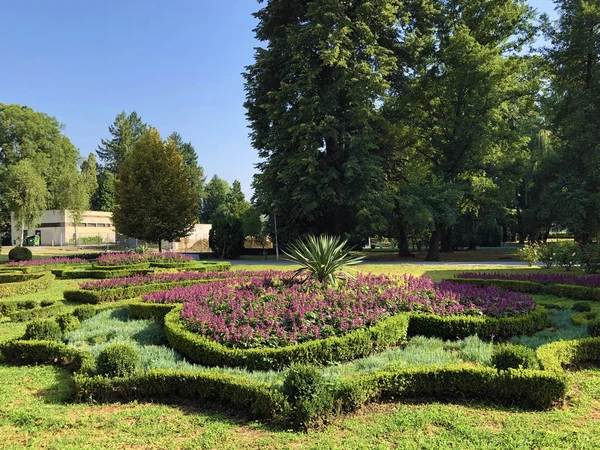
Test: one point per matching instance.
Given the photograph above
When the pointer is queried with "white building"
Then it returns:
(56, 228)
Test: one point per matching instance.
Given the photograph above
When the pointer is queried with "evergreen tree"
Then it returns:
(216, 193)
(154, 199)
(312, 97)
(190, 161)
(125, 131)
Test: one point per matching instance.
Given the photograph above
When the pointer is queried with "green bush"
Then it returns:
(35, 283)
(40, 312)
(509, 356)
(594, 328)
(547, 256)
(581, 307)
(43, 330)
(561, 355)
(359, 343)
(242, 395)
(117, 360)
(566, 254)
(530, 253)
(103, 274)
(306, 390)
(84, 312)
(488, 328)
(67, 322)
(20, 254)
(156, 311)
(47, 352)
(590, 258)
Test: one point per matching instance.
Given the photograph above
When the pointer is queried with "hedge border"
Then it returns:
(531, 287)
(103, 274)
(356, 344)
(44, 281)
(488, 328)
(41, 312)
(28, 352)
(561, 355)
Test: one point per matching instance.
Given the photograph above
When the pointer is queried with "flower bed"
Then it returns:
(544, 278)
(125, 258)
(47, 262)
(160, 277)
(273, 310)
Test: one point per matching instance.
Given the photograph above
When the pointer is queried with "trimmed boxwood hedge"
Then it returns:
(594, 328)
(40, 312)
(38, 283)
(489, 328)
(142, 310)
(516, 387)
(561, 355)
(103, 274)
(24, 352)
(356, 344)
(16, 277)
(531, 287)
(143, 265)
(258, 400)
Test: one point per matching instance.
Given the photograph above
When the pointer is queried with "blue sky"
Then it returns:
(178, 63)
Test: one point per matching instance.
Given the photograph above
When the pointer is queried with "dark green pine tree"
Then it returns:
(125, 131)
(312, 96)
(190, 161)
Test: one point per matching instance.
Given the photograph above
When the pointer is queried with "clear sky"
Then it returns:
(178, 63)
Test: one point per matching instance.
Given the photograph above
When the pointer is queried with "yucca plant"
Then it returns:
(323, 257)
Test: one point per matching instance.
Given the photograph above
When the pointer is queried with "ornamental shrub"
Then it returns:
(530, 253)
(594, 328)
(84, 312)
(581, 307)
(566, 254)
(67, 322)
(307, 391)
(43, 330)
(117, 360)
(590, 258)
(20, 254)
(510, 356)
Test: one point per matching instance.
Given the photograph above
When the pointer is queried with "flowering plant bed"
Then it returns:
(544, 278)
(274, 310)
(59, 260)
(126, 258)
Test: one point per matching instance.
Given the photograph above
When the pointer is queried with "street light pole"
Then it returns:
(276, 241)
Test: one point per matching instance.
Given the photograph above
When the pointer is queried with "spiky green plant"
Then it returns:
(323, 257)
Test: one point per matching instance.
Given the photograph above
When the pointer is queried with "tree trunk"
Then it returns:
(433, 253)
(22, 234)
(75, 227)
(403, 249)
(160, 246)
(447, 240)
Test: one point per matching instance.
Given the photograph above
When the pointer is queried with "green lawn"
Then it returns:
(36, 412)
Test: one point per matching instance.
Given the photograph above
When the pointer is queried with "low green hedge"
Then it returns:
(356, 344)
(103, 274)
(41, 312)
(40, 282)
(24, 352)
(16, 277)
(594, 328)
(144, 265)
(531, 287)
(460, 327)
(143, 310)
(258, 400)
(561, 355)
(525, 388)
(175, 264)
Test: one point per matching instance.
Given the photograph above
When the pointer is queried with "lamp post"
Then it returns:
(276, 241)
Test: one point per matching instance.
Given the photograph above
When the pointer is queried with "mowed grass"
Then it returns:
(36, 411)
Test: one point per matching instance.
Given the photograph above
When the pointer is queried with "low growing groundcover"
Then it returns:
(276, 310)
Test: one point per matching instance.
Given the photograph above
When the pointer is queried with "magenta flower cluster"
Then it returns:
(542, 277)
(125, 258)
(165, 277)
(274, 310)
(48, 261)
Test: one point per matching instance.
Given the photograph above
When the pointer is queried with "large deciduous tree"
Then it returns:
(575, 120)
(312, 97)
(216, 193)
(25, 193)
(459, 94)
(154, 198)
